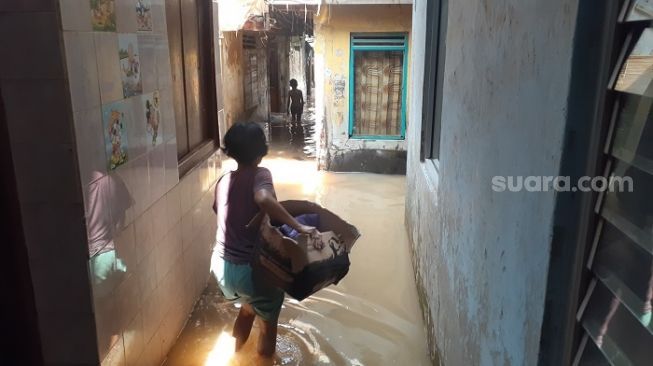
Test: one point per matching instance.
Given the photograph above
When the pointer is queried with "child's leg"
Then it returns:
(243, 325)
(267, 341)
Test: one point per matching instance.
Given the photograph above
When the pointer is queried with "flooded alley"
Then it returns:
(371, 317)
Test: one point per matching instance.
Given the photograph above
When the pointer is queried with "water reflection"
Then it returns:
(107, 202)
(293, 140)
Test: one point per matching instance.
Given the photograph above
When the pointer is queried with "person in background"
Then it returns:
(239, 196)
(295, 102)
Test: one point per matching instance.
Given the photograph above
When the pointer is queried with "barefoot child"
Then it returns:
(239, 196)
(295, 102)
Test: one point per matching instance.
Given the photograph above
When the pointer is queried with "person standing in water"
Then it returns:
(295, 102)
(239, 196)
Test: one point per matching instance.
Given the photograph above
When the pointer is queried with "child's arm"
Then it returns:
(269, 204)
(301, 97)
(288, 105)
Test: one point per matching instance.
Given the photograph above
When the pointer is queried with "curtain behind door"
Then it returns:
(377, 96)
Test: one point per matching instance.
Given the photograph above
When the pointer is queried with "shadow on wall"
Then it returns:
(108, 200)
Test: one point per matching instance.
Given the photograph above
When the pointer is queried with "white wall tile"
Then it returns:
(124, 173)
(189, 273)
(125, 244)
(133, 340)
(91, 153)
(159, 17)
(147, 57)
(144, 235)
(106, 48)
(195, 185)
(142, 191)
(171, 164)
(163, 69)
(76, 15)
(156, 164)
(106, 322)
(173, 206)
(160, 226)
(82, 70)
(187, 234)
(147, 274)
(126, 16)
(152, 314)
(116, 356)
(167, 115)
(128, 300)
(186, 194)
(168, 252)
(137, 144)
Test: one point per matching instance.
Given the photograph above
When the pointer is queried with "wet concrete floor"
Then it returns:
(371, 317)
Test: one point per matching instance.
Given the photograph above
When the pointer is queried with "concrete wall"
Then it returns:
(480, 256)
(297, 62)
(37, 111)
(232, 76)
(233, 66)
(333, 28)
(118, 255)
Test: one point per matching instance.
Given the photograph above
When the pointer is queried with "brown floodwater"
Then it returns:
(371, 317)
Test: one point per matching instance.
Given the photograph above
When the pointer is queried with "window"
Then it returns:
(377, 100)
(190, 30)
(614, 319)
(436, 28)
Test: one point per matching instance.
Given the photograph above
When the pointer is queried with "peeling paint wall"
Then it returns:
(233, 79)
(333, 28)
(481, 256)
(232, 76)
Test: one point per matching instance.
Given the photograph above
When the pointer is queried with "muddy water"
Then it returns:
(293, 140)
(371, 318)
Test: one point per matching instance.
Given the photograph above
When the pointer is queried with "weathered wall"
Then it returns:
(333, 28)
(481, 257)
(232, 77)
(297, 62)
(234, 68)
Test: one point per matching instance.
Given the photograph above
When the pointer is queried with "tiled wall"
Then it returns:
(161, 265)
(118, 254)
(149, 234)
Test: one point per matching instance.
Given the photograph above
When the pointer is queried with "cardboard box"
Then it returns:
(297, 266)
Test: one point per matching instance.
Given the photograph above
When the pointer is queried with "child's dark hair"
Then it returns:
(245, 142)
(293, 83)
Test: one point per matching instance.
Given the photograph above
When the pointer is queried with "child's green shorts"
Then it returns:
(237, 282)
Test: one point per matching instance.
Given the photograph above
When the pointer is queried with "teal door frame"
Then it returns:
(377, 45)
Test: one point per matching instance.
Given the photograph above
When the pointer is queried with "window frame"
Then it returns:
(352, 76)
(206, 55)
(434, 57)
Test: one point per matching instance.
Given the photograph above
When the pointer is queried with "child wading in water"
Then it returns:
(239, 196)
(295, 102)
